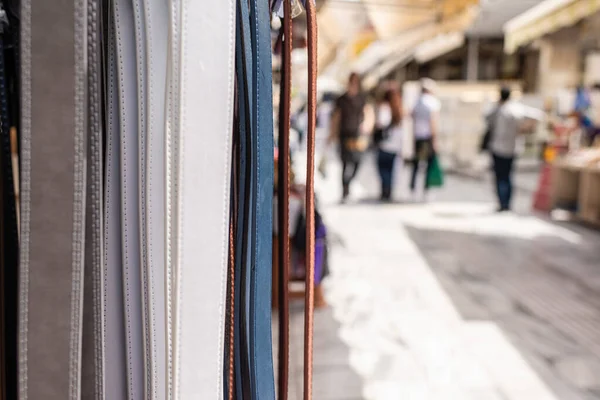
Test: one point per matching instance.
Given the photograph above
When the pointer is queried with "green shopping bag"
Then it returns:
(435, 176)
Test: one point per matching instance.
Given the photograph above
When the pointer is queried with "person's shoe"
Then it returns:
(502, 209)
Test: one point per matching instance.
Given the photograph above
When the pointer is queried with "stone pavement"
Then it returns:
(447, 300)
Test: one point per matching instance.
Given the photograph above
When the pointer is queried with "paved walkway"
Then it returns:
(447, 300)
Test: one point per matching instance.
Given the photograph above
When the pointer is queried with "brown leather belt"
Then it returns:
(283, 198)
(309, 301)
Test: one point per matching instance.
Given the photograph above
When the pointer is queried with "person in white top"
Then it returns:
(425, 117)
(389, 123)
(506, 122)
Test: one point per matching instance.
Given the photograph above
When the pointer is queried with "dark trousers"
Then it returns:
(503, 170)
(423, 150)
(385, 165)
(350, 163)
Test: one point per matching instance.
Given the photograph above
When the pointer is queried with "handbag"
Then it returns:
(435, 175)
(381, 134)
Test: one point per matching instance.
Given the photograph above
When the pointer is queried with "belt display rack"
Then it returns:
(137, 173)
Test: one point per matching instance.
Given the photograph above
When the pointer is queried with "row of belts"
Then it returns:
(53, 67)
(284, 195)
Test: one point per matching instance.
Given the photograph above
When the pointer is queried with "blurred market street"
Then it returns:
(448, 300)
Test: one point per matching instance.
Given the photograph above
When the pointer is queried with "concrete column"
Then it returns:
(473, 59)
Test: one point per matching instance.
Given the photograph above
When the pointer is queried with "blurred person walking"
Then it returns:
(507, 125)
(425, 117)
(388, 138)
(352, 120)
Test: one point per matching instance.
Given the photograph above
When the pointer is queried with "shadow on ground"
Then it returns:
(544, 293)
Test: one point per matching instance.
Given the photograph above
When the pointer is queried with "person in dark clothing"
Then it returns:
(425, 117)
(389, 126)
(507, 122)
(352, 118)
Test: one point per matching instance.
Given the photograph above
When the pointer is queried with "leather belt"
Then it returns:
(261, 358)
(156, 34)
(92, 374)
(9, 256)
(172, 183)
(147, 318)
(53, 198)
(310, 197)
(114, 303)
(205, 135)
(244, 131)
(283, 201)
(130, 193)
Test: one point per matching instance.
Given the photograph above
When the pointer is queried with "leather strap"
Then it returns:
(9, 256)
(114, 302)
(141, 63)
(205, 171)
(243, 57)
(92, 384)
(130, 194)
(53, 198)
(156, 13)
(310, 198)
(261, 358)
(283, 202)
(172, 182)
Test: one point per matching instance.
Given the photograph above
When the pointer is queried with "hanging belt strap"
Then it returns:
(9, 256)
(53, 198)
(261, 358)
(172, 178)
(156, 24)
(114, 303)
(243, 238)
(310, 198)
(92, 380)
(204, 196)
(130, 194)
(283, 199)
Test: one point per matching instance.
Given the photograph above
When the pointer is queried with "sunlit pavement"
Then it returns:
(447, 300)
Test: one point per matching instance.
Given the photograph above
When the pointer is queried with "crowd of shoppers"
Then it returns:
(356, 126)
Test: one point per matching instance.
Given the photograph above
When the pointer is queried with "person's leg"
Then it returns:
(430, 155)
(503, 178)
(353, 167)
(381, 170)
(413, 178)
(498, 177)
(509, 186)
(345, 174)
(386, 166)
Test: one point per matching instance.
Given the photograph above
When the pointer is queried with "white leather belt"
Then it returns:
(206, 72)
(156, 13)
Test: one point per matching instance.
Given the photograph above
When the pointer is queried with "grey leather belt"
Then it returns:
(92, 380)
(114, 303)
(130, 193)
(53, 198)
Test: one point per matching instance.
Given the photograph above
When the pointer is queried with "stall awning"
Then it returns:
(362, 29)
(382, 57)
(547, 17)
